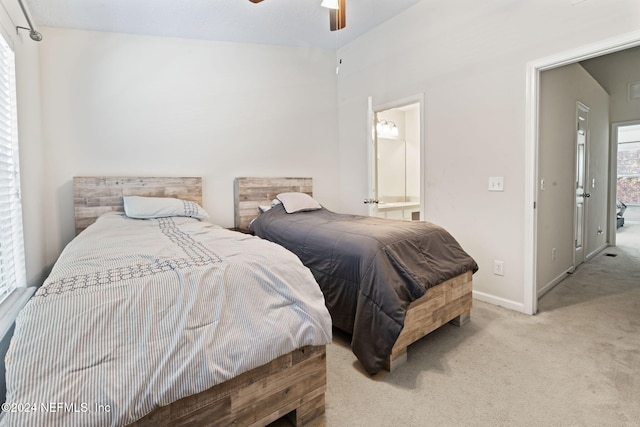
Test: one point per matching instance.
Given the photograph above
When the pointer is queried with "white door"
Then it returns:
(582, 138)
(372, 152)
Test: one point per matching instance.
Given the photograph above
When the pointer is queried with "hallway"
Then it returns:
(615, 271)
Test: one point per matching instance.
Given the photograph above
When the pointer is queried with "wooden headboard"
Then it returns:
(249, 193)
(96, 195)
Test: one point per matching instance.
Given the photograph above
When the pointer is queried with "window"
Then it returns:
(12, 265)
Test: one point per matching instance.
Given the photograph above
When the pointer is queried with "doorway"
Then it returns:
(396, 160)
(627, 138)
(532, 178)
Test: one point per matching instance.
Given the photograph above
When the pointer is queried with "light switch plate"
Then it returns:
(496, 183)
(498, 267)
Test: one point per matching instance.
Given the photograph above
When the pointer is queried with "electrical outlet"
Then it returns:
(498, 267)
(553, 254)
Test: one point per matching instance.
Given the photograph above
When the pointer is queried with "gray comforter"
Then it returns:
(369, 269)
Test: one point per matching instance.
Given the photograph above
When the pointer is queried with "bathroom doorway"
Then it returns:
(397, 167)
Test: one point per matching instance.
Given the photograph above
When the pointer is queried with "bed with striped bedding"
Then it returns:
(137, 314)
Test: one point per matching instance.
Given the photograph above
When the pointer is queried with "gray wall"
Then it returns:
(614, 72)
(560, 88)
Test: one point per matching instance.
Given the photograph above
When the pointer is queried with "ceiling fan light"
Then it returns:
(330, 4)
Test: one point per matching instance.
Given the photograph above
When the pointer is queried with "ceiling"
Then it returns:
(616, 68)
(276, 22)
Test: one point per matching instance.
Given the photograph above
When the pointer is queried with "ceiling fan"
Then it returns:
(337, 13)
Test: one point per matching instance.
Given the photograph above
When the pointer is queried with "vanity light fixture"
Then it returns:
(387, 128)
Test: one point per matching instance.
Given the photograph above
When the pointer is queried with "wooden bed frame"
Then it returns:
(293, 385)
(447, 302)
(96, 195)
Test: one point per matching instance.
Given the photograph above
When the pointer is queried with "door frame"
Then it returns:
(534, 68)
(375, 109)
(613, 178)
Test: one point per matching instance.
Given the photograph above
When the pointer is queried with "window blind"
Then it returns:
(12, 264)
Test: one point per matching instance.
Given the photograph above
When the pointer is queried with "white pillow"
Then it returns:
(298, 202)
(161, 207)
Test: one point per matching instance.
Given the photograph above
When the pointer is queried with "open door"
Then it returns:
(372, 152)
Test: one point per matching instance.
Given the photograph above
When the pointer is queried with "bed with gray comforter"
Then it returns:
(369, 269)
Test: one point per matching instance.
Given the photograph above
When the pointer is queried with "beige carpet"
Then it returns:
(575, 363)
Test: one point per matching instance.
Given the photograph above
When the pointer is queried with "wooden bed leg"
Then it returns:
(309, 414)
(461, 320)
(396, 358)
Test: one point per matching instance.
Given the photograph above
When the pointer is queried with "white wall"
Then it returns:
(560, 88)
(124, 104)
(412, 137)
(391, 170)
(469, 58)
(117, 104)
(392, 159)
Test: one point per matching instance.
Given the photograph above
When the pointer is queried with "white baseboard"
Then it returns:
(596, 252)
(502, 302)
(552, 284)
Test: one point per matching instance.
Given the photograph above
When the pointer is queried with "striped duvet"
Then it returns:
(139, 313)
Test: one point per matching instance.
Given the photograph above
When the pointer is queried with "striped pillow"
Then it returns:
(161, 207)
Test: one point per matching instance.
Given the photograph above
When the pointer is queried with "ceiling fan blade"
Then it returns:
(255, 1)
(338, 17)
